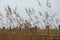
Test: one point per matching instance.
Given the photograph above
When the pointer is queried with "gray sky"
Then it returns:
(21, 4)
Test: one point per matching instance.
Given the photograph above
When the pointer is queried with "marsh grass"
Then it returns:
(30, 11)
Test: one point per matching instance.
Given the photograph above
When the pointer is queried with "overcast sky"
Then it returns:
(21, 4)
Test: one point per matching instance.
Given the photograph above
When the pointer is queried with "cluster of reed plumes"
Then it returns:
(19, 21)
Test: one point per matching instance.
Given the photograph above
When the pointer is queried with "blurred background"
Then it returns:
(50, 7)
